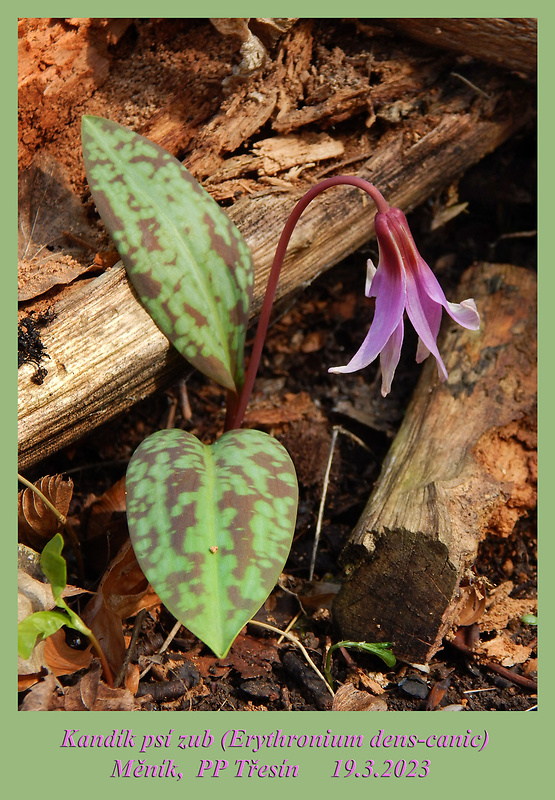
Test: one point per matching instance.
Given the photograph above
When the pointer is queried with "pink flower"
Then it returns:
(403, 281)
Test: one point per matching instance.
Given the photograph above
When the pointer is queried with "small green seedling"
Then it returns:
(380, 649)
(529, 619)
(46, 623)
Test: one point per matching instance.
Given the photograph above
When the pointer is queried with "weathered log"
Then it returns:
(461, 465)
(510, 43)
(104, 351)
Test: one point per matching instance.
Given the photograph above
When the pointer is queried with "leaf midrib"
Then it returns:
(210, 483)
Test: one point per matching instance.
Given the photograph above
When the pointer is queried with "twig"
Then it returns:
(301, 647)
(322, 504)
(472, 85)
(513, 677)
(336, 430)
(134, 636)
(290, 625)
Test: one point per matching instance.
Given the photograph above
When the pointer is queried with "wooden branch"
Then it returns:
(461, 465)
(510, 43)
(104, 351)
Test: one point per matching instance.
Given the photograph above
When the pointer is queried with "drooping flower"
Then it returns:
(404, 282)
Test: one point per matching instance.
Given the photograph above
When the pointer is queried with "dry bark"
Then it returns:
(462, 465)
(510, 43)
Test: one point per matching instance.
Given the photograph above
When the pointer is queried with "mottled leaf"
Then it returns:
(188, 262)
(212, 525)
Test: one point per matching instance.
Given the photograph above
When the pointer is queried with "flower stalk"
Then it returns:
(237, 406)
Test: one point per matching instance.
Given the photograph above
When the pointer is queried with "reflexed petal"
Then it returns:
(390, 303)
(465, 313)
(389, 357)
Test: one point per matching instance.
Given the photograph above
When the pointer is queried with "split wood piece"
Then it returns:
(105, 353)
(463, 455)
(510, 43)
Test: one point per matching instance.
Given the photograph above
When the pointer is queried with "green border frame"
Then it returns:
(514, 758)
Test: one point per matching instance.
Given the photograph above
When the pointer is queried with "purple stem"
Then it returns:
(238, 404)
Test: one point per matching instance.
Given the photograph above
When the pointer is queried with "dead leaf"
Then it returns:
(471, 604)
(62, 659)
(36, 522)
(437, 693)
(43, 696)
(252, 50)
(122, 593)
(91, 694)
(104, 524)
(28, 560)
(54, 233)
(33, 595)
(132, 677)
(446, 214)
(347, 698)
(375, 682)
(312, 595)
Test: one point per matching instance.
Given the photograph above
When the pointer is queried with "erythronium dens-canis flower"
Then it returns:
(404, 282)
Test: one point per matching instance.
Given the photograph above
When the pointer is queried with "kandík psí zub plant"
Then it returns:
(212, 525)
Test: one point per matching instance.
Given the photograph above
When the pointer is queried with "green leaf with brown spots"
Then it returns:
(212, 525)
(188, 262)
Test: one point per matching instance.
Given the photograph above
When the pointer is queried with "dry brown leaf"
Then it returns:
(132, 677)
(25, 682)
(312, 595)
(122, 593)
(347, 698)
(53, 229)
(446, 214)
(91, 694)
(471, 604)
(36, 522)
(375, 683)
(43, 696)
(62, 659)
(105, 526)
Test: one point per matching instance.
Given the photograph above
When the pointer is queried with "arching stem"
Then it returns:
(235, 415)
